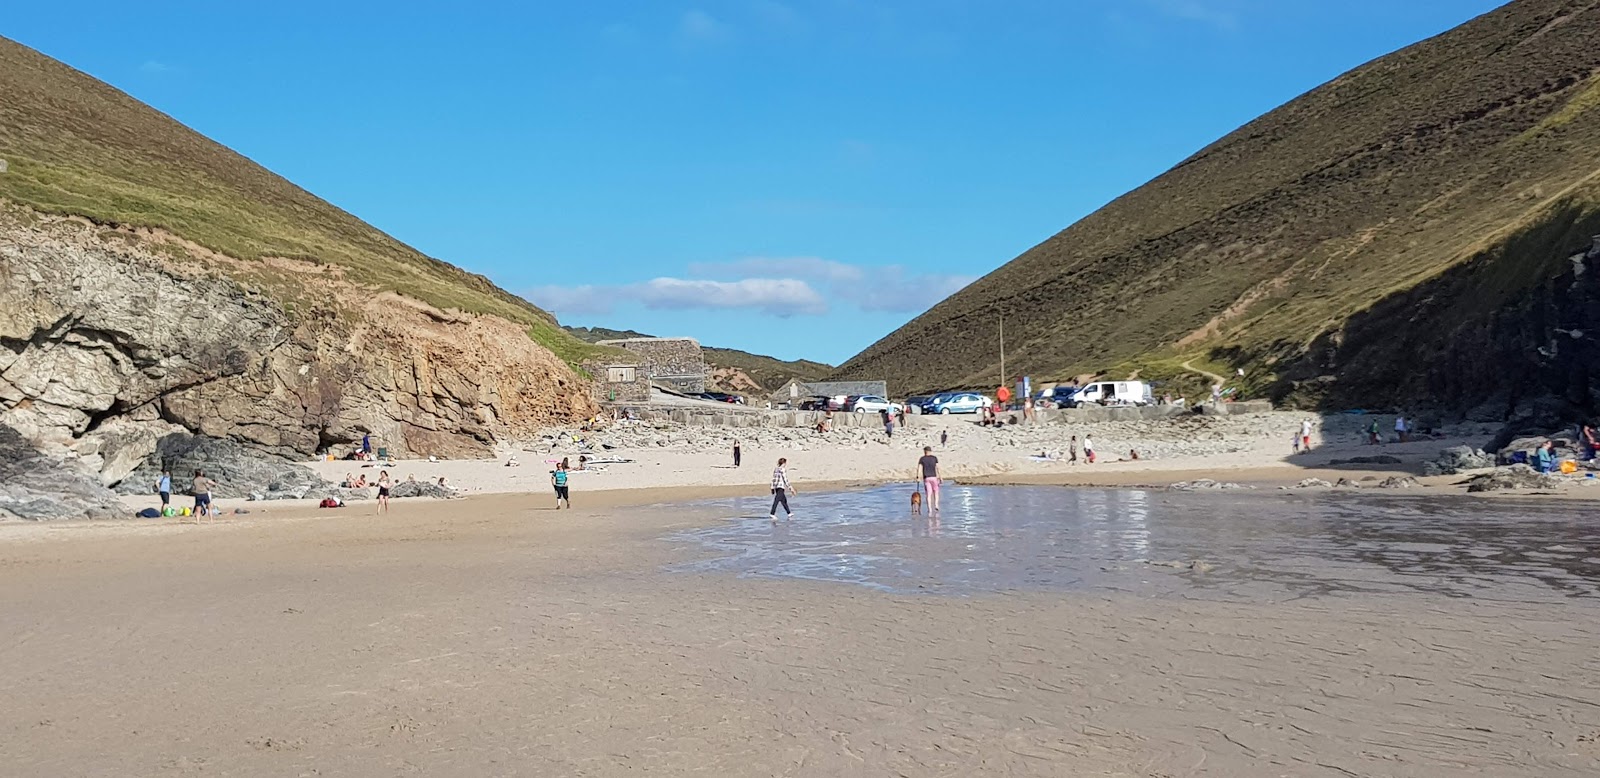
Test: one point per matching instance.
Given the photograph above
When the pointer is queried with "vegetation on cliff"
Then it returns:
(77, 146)
(1471, 154)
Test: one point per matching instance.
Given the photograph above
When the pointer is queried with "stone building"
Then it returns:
(677, 363)
(619, 382)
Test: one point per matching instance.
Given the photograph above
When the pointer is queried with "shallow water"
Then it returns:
(1268, 545)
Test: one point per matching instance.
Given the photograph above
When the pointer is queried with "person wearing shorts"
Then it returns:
(383, 491)
(164, 488)
(928, 469)
(558, 479)
(201, 489)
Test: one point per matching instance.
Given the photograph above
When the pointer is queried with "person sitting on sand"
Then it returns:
(512, 462)
(443, 485)
(1546, 457)
(349, 481)
(1133, 454)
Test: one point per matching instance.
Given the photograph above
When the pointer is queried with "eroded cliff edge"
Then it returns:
(111, 338)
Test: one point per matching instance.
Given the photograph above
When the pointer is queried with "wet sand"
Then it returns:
(492, 636)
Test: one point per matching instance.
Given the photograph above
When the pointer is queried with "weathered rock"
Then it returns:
(1456, 459)
(36, 487)
(111, 340)
(422, 489)
(1205, 484)
(237, 469)
(1313, 483)
(1517, 476)
(1398, 482)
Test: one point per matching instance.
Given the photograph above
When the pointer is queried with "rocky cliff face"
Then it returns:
(110, 340)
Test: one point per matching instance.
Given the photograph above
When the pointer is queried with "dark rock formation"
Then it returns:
(1513, 477)
(36, 487)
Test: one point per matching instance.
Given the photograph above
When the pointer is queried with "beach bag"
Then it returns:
(328, 502)
(149, 513)
(1569, 467)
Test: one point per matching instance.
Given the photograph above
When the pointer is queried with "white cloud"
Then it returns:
(781, 297)
(810, 268)
(697, 26)
(775, 286)
(1203, 11)
(774, 296)
(154, 68)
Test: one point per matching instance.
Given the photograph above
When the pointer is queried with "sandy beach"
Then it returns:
(492, 635)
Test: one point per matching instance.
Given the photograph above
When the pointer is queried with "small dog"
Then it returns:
(916, 503)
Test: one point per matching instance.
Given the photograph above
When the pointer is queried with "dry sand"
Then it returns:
(494, 636)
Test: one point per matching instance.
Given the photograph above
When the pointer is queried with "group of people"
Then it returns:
(200, 488)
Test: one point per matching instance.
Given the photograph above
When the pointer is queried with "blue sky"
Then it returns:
(791, 178)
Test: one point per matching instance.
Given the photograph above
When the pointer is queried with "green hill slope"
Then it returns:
(78, 146)
(1467, 160)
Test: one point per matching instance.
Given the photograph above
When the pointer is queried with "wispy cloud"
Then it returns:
(154, 68)
(1203, 11)
(697, 27)
(773, 286)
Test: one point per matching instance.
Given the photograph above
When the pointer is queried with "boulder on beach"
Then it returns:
(36, 487)
(1517, 476)
(1457, 459)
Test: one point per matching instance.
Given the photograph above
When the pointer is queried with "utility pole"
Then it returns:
(1002, 349)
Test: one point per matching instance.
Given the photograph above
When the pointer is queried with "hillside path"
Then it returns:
(1216, 380)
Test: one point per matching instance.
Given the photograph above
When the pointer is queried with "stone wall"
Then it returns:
(675, 362)
(619, 382)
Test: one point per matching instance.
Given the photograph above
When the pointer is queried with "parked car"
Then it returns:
(818, 403)
(1115, 393)
(871, 403)
(958, 402)
(724, 397)
(1059, 397)
(930, 401)
(917, 401)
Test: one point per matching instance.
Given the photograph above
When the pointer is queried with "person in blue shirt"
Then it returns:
(1546, 457)
(558, 479)
(164, 488)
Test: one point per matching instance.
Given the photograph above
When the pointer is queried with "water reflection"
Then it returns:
(1230, 545)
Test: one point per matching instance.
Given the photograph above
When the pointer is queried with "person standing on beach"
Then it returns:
(780, 491)
(164, 488)
(928, 468)
(1305, 435)
(1372, 433)
(383, 491)
(944, 438)
(736, 453)
(1072, 451)
(1400, 428)
(201, 489)
(558, 479)
(888, 423)
(1088, 450)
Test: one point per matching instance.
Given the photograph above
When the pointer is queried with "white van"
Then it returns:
(1114, 393)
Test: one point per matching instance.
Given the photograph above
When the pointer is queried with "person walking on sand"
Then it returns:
(780, 492)
(928, 470)
(944, 438)
(1088, 450)
(201, 489)
(383, 491)
(736, 453)
(558, 479)
(164, 488)
(1072, 451)
(1373, 436)
(1305, 435)
(1400, 428)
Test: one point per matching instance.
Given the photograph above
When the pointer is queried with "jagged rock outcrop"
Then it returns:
(37, 487)
(112, 340)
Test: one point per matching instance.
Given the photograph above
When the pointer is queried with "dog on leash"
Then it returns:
(916, 503)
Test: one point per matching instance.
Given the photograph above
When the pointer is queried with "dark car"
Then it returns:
(723, 397)
(814, 404)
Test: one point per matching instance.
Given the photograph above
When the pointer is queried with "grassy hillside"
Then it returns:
(1258, 251)
(767, 373)
(78, 146)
